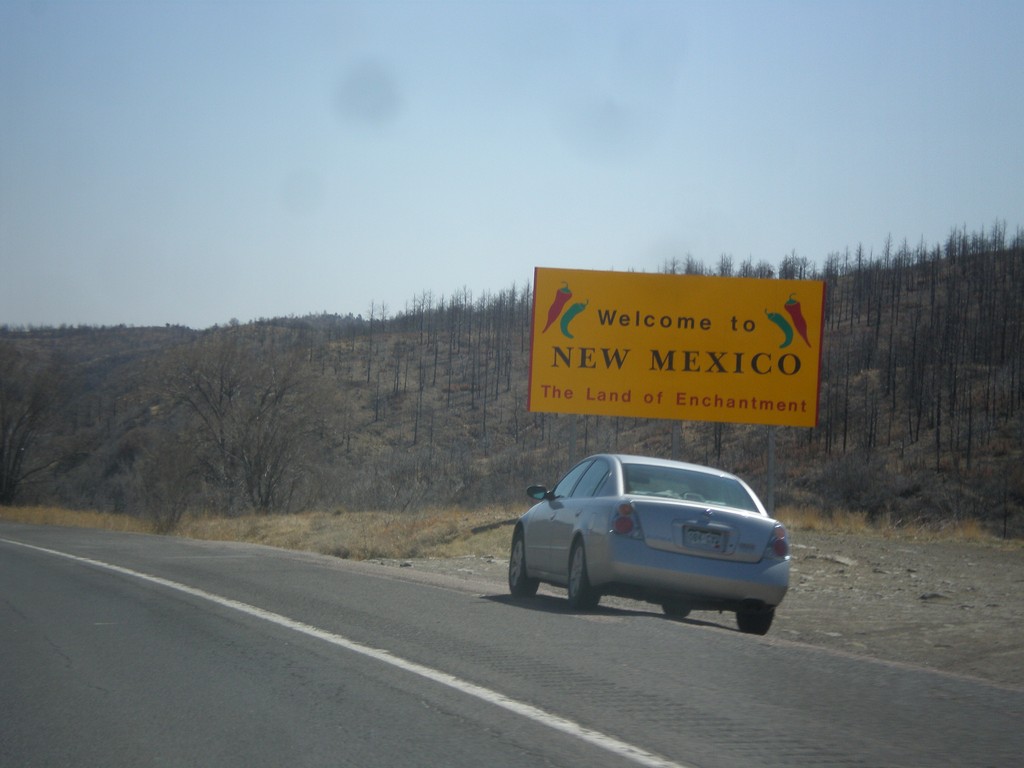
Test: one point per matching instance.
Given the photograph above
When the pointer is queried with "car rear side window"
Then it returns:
(567, 483)
(593, 480)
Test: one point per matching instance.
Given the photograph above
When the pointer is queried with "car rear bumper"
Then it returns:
(630, 563)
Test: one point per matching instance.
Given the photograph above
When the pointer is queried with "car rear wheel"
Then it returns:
(518, 583)
(581, 594)
(676, 609)
(755, 622)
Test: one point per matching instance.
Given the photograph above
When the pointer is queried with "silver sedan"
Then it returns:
(681, 535)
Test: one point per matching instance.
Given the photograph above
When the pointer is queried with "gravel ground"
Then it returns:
(957, 607)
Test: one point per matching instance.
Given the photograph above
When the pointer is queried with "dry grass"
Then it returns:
(366, 535)
(74, 518)
(807, 518)
(438, 533)
(358, 535)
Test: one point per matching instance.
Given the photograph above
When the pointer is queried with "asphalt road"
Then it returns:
(129, 650)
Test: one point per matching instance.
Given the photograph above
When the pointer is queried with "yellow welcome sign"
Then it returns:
(683, 347)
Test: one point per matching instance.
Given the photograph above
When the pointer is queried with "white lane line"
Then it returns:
(537, 715)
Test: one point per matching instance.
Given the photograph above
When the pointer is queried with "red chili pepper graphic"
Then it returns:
(562, 295)
(793, 308)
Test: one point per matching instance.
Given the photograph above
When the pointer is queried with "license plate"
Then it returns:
(698, 538)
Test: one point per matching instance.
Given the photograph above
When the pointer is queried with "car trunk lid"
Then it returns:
(704, 530)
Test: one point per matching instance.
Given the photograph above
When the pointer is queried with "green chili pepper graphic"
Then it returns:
(570, 313)
(562, 295)
(793, 308)
(786, 328)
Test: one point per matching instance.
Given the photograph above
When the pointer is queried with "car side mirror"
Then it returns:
(538, 492)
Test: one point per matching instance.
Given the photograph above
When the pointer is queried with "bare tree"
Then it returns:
(29, 389)
(254, 416)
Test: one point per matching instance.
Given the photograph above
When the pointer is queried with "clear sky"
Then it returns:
(194, 162)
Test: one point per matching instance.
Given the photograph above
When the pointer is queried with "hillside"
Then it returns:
(920, 412)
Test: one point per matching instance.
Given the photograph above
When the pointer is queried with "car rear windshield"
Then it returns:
(673, 483)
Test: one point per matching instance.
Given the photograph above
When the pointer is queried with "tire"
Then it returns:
(755, 622)
(676, 609)
(582, 596)
(518, 582)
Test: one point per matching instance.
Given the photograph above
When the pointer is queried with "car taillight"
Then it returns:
(779, 544)
(626, 523)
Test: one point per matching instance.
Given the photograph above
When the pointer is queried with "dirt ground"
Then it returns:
(957, 607)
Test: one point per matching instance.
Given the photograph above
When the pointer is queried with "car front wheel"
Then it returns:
(518, 583)
(581, 594)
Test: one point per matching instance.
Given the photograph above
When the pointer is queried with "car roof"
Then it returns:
(654, 461)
